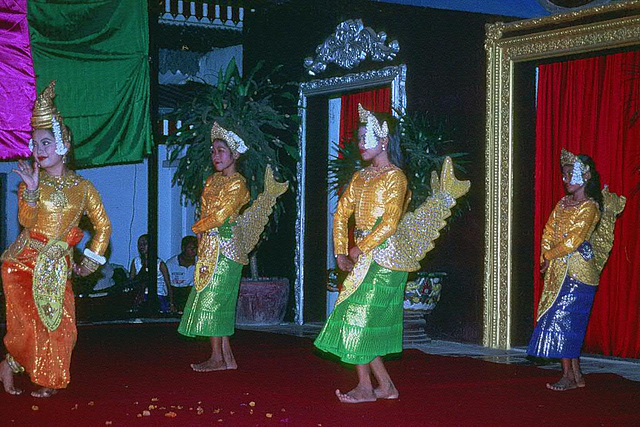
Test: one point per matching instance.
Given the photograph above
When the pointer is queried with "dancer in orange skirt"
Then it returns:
(41, 327)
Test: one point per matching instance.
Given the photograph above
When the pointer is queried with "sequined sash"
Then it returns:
(50, 275)
(356, 276)
(207, 259)
(578, 265)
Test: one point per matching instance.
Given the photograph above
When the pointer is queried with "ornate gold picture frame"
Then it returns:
(586, 31)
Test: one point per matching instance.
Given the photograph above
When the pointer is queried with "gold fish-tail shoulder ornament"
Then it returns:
(602, 237)
(417, 230)
(250, 224)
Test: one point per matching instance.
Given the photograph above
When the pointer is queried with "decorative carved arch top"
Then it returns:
(349, 46)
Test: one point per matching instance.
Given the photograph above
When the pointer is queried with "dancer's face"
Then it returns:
(44, 149)
(567, 173)
(371, 153)
(221, 155)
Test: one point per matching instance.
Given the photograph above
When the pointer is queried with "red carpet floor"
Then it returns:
(120, 371)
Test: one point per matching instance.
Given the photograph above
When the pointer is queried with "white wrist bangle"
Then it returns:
(94, 256)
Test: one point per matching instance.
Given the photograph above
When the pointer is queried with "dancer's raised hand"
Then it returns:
(29, 174)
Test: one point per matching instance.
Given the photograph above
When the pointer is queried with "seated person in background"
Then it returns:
(140, 268)
(181, 270)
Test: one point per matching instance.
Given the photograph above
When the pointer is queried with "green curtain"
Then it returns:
(98, 53)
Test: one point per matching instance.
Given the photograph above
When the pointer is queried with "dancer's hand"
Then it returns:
(344, 263)
(354, 254)
(81, 270)
(544, 266)
(30, 175)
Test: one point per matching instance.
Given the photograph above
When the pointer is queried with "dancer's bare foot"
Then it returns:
(44, 392)
(227, 354)
(209, 365)
(387, 392)
(577, 373)
(6, 378)
(564, 384)
(357, 395)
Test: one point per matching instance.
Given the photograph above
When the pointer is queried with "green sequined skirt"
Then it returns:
(369, 322)
(212, 311)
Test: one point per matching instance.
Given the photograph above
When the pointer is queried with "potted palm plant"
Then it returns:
(253, 106)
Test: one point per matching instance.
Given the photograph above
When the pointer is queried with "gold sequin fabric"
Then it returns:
(63, 201)
(417, 230)
(221, 201)
(602, 237)
(250, 224)
(569, 225)
(41, 330)
(374, 196)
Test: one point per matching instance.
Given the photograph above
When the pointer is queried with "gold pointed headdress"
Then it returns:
(374, 129)
(46, 115)
(235, 143)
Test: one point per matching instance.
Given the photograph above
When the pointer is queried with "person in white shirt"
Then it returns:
(181, 270)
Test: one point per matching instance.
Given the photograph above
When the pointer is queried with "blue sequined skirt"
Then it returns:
(560, 331)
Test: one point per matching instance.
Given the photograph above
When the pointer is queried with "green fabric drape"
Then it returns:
(98, 53)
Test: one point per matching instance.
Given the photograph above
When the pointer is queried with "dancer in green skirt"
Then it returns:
(224, 240)
(367, 320)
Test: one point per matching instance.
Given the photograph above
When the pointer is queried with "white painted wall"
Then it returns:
(124, 192)
(174, 220)
(123, 189)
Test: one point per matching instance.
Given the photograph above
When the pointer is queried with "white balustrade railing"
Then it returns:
(201, 13)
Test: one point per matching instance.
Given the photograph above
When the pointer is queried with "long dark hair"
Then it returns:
(393, 148)
(592, 188)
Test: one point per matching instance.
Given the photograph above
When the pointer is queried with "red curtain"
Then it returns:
(378, 100)
(587, 106)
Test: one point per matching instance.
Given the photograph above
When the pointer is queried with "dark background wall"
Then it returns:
(445, 57)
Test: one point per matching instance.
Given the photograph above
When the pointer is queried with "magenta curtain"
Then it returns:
(17, 81)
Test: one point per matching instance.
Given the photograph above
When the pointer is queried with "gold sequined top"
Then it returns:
(222, 198)
(63, 201)
(373, 196)
(568, 226)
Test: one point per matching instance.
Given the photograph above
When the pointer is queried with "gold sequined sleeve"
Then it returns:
(395, 188)
(236, 195)
(344, 210)
(547, 234)
(27, 214)
(576, 232)
(100, 221)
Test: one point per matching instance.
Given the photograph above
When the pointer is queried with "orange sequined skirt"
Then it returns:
(45, 355)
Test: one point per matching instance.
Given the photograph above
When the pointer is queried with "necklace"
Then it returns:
(371, 172)
(568, 203)
(59, 183)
